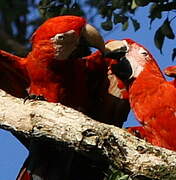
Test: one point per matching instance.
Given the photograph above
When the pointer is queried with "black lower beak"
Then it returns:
(122, 69)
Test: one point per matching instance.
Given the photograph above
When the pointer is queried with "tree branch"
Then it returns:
(71, 129)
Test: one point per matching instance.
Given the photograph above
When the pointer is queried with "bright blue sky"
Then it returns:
(12, 153)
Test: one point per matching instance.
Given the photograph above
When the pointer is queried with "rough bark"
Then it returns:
(70, 129)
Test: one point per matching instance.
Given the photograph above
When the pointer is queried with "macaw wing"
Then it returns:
(116, 105)
(13, 78)
(170, 71)
(109, 92)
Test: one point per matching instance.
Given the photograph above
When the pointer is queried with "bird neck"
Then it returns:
(150, 77)
(144, 87)
(42, 52)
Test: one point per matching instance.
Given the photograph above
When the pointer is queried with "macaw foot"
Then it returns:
(137, 131)
(34, 97)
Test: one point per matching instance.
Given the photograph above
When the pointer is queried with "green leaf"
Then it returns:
(117, 4)
(155, 12)
(173, 54)
(164, 31)
(107, 25)
(103, 11)
(135, 23)
(167, 30)
(106, 11)
(142, 2)
(118, 18)
(65, 1)
(115, 176)
(159, 39)
(134, 5)
(94, 3)
(63, 11)
(125, 26)
(125, 177)
(76, 10)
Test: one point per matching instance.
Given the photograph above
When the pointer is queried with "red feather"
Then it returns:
(79, 83)
(86, 84)
(57, 25)
(13, 76)
(152, 99)
(171, 72)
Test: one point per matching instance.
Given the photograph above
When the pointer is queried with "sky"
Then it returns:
(13, 154)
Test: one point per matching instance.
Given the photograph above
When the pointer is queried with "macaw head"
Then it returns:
(66, 33)
(132, 58)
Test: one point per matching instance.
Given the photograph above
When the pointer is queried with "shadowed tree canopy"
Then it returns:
(18, 20)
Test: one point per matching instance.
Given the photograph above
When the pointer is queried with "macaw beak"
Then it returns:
(117, 50)
(93, 37)
(122, 69)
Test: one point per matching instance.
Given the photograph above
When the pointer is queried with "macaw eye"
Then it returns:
(145, 53)
(60, 37)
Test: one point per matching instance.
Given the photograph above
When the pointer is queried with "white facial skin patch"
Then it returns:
(137, 56)
(65, 44)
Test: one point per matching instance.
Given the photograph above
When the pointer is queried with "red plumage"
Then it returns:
(152, 99)
(86, 84)
(44, 73)
(108, 93)
(57, 25)
(171, 72)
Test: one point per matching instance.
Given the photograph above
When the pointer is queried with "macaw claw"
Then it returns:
(34, 97)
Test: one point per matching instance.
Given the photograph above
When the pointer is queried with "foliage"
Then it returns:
(116, 174)
(15, 21)
(123, 11)
(51, 8)
(14, 24)
(115, 12)
(113, 173)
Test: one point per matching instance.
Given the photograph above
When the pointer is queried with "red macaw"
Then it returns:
(86, 84)
(55, 71)
(57, 40)
(152, 97)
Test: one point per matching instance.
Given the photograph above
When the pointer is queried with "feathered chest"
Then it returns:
(56, 71)
(152, 97)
